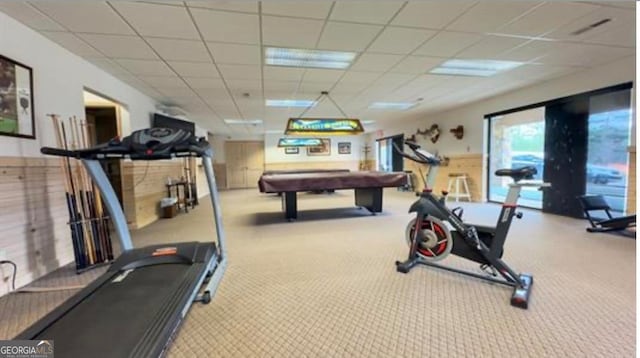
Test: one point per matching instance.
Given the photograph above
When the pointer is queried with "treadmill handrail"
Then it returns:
(146, 144)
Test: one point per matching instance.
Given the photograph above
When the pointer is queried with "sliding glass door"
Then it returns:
(609, 131)
(516, 140)
(388, 160)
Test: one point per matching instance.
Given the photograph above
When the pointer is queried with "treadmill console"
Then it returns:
(143, 144)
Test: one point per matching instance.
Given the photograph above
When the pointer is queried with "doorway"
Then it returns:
(388, 159)
(103, 124)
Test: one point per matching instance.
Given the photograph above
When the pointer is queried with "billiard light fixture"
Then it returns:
(294, 57)
(477, 68)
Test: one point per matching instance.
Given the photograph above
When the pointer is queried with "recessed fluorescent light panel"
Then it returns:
(479, 68)
(294, 57)
(367, 122)
(243, 121)
(391, 105)
(289, 103)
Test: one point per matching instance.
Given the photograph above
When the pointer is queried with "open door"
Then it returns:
(103, 123)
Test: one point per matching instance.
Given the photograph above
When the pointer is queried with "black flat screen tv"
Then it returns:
(163, 121)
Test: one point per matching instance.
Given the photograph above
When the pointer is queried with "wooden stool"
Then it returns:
(456, 179)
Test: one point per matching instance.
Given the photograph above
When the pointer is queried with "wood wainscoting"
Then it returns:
(469, 164)
(143, 186)
(33, 219)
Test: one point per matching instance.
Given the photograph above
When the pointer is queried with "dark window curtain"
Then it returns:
(566, 134)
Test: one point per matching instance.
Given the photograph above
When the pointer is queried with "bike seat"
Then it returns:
(518, 174)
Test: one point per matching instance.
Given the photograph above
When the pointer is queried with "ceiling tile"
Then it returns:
(314, 10)
(490, 47)
(282, 73)
(622, 20)
(94, 17)
(583, 54)
(488, 16)
(163, 81)
(250, 85)
(158, 20)
(108, 65)
(200, 83)
(209, 94)
(347, 37)
(355, 77)
(28, 15)
(362, 11)
(240, 72)
(146, 67)
(314, 87)
(322, 75)
(227, 26)
(375, 62)
(433, 15)
(176, 93)
(393, 80)
(343, 89)
(120, 46)
(281, 86)
(417, 64)
(527, 52)
(547, 17)
(242, 6)
(398, 40)
(289, 32)
(447, 44)
(180, 50)
(193, 69)
(235, 53)
(72, 43)
(618, 36)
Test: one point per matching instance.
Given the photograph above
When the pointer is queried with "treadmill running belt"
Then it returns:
(113, 322)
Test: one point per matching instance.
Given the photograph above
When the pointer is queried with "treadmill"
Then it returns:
(135, 308)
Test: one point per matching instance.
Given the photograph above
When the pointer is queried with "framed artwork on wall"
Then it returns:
(17, 117)
(291, 150)
(344, 148)
(325, 149)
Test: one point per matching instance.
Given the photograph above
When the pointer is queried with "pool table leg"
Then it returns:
(369, 198)
(290, 205)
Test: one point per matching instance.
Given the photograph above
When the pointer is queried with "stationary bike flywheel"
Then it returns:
(435, 239)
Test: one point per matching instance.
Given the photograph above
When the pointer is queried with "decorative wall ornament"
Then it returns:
(433, 133)
(458, 131)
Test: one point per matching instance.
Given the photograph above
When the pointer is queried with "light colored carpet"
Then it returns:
(326, 286)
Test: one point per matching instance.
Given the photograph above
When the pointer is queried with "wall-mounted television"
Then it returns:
(164, 121)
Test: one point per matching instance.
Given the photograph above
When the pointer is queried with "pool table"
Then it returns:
(367, 185)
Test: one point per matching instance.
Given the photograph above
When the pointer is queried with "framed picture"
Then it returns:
(325, 149)
(291, 150)
(344, 148)
(17, 117)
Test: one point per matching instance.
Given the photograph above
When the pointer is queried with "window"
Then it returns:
(609, 130)
(516, 140)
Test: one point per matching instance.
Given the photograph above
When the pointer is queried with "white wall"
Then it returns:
(273, 154)
(58, 78)
(471, 116)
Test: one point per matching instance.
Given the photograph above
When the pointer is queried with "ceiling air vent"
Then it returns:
(590, 27)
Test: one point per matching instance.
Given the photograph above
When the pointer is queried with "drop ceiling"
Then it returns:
(207, 56)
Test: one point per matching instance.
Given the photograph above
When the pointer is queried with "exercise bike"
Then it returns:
(437, 231)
